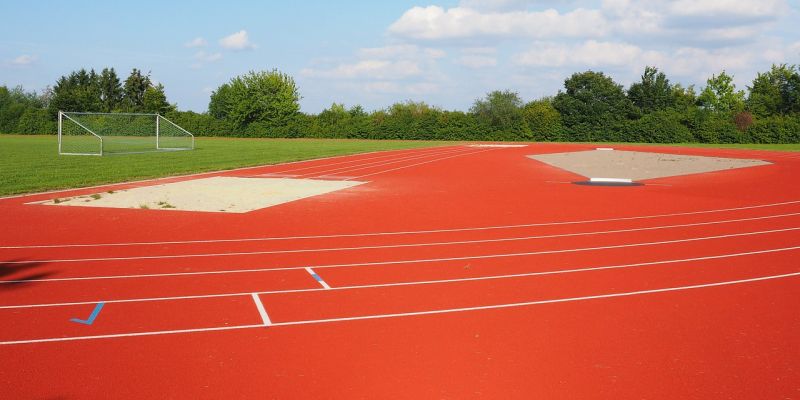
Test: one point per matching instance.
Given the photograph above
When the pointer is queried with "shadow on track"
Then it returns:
(20, 274)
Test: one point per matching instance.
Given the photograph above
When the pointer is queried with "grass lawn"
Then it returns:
(32, 164)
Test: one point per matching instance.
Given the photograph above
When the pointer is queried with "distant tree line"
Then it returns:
(591, 107)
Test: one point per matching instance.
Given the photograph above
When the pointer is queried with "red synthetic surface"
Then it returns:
(455, 273)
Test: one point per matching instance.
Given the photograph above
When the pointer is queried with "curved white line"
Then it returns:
(250, 253)
(424, 151)
(374, 164)
(16, 196)
(419, 313)
(421, 163)
(497, 240)
(412, 283)
(346, 235)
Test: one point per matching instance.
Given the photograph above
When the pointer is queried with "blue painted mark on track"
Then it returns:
(92, 316)
(317, 277)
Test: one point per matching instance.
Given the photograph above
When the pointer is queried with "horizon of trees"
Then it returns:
(590, 107)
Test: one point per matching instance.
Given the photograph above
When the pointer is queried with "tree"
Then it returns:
(154, 100)
(543, 119)
(336, 113)
(269, 97)
(721, 96)
(23, 112)
(78, 91)
(110, 89)
(593, 106)
(684, 98)
(776, 92)
(357, 111)
(135, 86)
(653, 93)
(502, 112)
(221, 102)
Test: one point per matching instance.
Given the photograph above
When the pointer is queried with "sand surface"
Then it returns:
(637, 165)
(216, 194)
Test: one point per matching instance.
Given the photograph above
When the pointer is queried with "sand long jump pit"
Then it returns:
(216, 194)
(634, 166)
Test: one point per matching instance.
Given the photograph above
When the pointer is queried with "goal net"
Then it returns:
(119, 133)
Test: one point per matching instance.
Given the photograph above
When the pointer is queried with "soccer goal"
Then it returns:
(96, 134)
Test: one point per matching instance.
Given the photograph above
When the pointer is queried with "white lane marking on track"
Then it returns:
(420, 313)
(264, 252)
(497, 227)
(379, 163)
(16, 196)
(261, 310)
(428, 282)
(417, 151)
(317, 278)
(423, 163)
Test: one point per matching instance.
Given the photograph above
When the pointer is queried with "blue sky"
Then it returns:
(447, 53)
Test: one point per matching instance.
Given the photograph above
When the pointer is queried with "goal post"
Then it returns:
(171, 136)
(83, 133)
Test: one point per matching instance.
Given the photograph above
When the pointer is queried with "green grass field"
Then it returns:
(32, 164)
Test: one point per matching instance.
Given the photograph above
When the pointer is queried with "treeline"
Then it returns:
(24, 112)
(591, 107)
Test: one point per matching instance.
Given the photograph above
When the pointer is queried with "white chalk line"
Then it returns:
(414, 283)
(107, 185)
(420, 313)
(398, 233)
(396, 262)
(405, 245)
(422, 163)
(261, 310)
(374, 164)
(420, 150)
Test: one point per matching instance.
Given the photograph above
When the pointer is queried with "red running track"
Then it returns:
(455, 272)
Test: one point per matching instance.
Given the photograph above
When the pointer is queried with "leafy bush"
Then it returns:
(658, 127)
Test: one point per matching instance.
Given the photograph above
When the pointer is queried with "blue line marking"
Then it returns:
(317, 277)
(92, 316)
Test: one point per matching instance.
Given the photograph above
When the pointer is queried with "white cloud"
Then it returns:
(207, 57)
(237, 41)
(437, 23)
(478, 57)
(495, 5)
(587, 54)
(717, 8)
(196, 42)
(23, 60)
(407, 51)
(371, 69)
(389, 63)
(384, 87)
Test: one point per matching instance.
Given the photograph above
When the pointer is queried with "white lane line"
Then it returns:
(261, 310)
(421, 313)
(347, 235)
(428, 282)
(397, 262)
(108, 185)
(540, 302)
(423, 163)
(135, 334)
(416, 151)
(380, 163)
(317, 278)
(390, 246)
